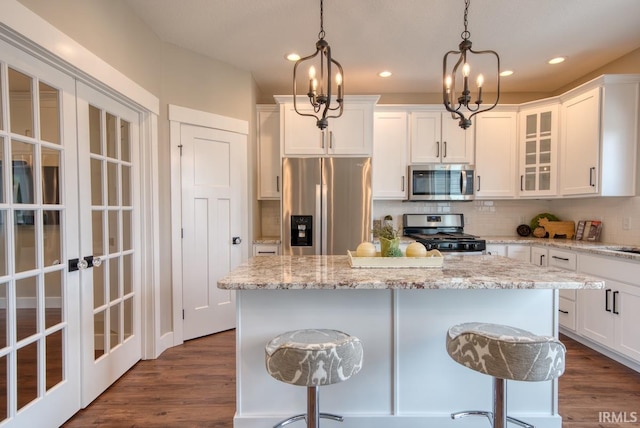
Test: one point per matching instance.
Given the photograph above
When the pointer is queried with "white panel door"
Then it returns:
(213, 211)
(110, 233)
(39, 299)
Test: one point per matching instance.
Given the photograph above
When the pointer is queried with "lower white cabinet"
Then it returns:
(519, 252)
(611, 316)
(539, 256)
(567, 298)
(266, 249)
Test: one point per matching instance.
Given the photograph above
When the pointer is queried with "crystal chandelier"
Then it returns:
(460, 103)
(319, 83)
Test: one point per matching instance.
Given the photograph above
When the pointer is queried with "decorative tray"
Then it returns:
(394, 262)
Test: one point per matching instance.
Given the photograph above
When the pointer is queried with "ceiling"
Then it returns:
(407, 37)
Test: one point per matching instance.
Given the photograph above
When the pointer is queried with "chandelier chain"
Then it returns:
(321, 33)
(466, 34)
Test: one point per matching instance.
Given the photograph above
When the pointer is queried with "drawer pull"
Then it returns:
(564, 312)
(606, 299)
(560, 258)
(615, 310)
(267, 252)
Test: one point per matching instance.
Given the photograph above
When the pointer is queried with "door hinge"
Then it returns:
(183, 314)
(180, 146)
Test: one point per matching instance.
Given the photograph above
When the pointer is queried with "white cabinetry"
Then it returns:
(268, 152)
(599, 137)
(350, 134)
(539, 150)
(519, 252)
(539, 256)
(611, 316)
(496, 141)
(436, 138)
(567, 298)
(390, 147)
(266, 250)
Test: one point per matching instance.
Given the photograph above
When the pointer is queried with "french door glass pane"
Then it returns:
(126, 185)
(25, 240)
(126, 230)
(114, 315)
(114, 242)
(127, 274)
(97, 228)
(4, 369)
(53, 363)
(125, 145)
(27, 307)
(96, 182)
(22, 172)
(53, 298)
(3, 243)
(27, 368)
(98, 332)
(95, 138)
(114, 279)
(128, 318)
(21, 103)
(112, 135)
(112, 183)
(2, 178)
(98, 286)
(4, 336)
(49, 113)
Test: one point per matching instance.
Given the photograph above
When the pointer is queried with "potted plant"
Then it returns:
(389, 239)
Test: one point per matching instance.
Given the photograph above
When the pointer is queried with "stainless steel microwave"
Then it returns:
(441, 182)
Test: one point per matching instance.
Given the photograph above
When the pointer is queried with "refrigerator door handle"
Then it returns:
(319, 243)
(325, 247)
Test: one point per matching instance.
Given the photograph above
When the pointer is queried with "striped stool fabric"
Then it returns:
(313, 358)
(505, 352)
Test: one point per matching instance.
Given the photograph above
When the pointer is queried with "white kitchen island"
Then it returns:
(401, 317)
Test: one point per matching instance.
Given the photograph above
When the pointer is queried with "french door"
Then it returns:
(39, 299)
(109, 225)
(70, 308)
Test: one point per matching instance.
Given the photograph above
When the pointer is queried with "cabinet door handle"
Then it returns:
(541, 259)
(403, 183)
(615, 310)
(437, 149)
(331, 139)
(560, 258)
(564, 312)
(592, 170)
(278, 183)
(522, 183)
(606, 299)
(445, 150)
(478, 183)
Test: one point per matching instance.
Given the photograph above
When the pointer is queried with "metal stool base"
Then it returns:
(312, 416)
(498, 418)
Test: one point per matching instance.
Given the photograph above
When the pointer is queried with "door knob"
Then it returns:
(236, 240)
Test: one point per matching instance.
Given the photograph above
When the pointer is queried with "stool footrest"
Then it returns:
(302, 416)
(489, 415)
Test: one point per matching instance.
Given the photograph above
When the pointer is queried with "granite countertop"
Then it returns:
(458, 272)
(599, 248)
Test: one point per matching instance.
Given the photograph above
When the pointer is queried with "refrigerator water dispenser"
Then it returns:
(301, 231)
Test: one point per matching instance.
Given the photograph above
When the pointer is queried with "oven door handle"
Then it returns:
(463, 182)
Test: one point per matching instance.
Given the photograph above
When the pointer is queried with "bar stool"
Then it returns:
(313, 358)
(506, 353)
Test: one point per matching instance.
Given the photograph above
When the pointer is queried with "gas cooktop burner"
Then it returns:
(443, 232)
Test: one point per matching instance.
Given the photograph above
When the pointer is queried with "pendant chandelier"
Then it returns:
(459, 104)
(319, 83)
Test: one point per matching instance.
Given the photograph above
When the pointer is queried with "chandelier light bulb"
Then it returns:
(466, 69)
(312, 72)
(480, 81)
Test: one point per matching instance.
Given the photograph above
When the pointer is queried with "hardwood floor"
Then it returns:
(193, 385)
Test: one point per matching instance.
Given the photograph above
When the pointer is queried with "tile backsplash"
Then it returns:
(620, 216)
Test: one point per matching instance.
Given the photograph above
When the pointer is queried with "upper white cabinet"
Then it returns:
(390, 148)
(268, 118)
(599, 137)
(350, 134)
(437, 138)
(538, 150)
(496, 141)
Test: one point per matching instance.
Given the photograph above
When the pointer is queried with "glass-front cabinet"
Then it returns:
(538, 150)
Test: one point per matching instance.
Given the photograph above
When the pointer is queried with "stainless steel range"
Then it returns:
(442, 232)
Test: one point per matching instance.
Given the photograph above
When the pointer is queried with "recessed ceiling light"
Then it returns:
(384, 73)
(506, 73)
(557, 60)
(292, 57)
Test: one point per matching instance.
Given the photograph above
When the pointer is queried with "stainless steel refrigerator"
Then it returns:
(326, 205)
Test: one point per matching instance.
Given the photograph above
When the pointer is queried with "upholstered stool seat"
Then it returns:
(313, 358)
(506, 353)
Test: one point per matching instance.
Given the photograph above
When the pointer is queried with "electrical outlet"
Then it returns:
(626, 223)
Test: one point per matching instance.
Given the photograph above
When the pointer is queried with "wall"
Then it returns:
(111, 31)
